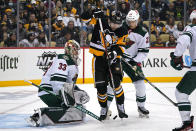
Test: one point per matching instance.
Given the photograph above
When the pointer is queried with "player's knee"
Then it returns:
(101, 87)
(117, 80)
(140, 87)
(181, 97)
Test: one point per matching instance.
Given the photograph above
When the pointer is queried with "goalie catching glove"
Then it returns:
(176, 61)
(73, 95)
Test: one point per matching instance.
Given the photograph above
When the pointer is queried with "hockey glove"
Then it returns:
(112, 56)
(176, 62)
(136, 67)
(98, 13)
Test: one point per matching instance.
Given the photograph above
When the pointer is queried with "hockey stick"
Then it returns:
(142, 76)
(75, 106)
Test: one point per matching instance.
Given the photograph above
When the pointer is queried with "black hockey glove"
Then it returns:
(176, 62)
(98, 13)
(112, 56)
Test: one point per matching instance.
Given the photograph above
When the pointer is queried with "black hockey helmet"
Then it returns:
(116, 17)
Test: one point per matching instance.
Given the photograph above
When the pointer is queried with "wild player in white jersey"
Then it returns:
(60, 79)
(137, 48)
(188, 83)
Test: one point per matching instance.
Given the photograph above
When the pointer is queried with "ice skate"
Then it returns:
(103, 113)
(34, 120)
(143, 112)
(121, 111)
(186, 126)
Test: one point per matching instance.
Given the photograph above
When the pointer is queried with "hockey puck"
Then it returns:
(115, 117)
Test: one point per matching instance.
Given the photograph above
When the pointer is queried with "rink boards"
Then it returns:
(30, 63)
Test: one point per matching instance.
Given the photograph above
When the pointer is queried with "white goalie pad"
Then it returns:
(57, 115)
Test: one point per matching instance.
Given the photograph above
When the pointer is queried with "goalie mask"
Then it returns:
(72, 48)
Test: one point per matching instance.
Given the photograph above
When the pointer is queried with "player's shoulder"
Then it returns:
(65, 58)
(192, 25)
(140, 30)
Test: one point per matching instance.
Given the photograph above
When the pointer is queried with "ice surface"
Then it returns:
(17, 103)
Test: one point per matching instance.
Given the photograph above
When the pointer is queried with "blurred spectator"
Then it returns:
(157, 7)
(29, 41)
(170, 26)
(74, 31)
(41, 7)
(69, 8)
(157, 27)
(46, 3)
(144, 9)
(138, 8)
(59, 8)
(179, 9)
(61, 41)
(169, 12)
(158, 43)
(179, 30)
(24, 16)
(32, 7)
(4, 31)
(171, 42)
(33, 25)
(57, 27)
(11, 41)
(22, 31)
(69, 17)
(42, 39)
(42, 18)
(76, 4)
(54, 15)
(123, 9)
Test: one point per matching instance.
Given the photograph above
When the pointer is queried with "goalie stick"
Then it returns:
(75, 106)
(142, 76)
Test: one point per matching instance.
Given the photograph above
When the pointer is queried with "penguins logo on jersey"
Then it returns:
(45, 60)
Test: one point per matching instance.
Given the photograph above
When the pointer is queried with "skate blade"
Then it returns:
(31, 122)
(143, 115)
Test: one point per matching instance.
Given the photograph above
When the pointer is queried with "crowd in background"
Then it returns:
(166, 25)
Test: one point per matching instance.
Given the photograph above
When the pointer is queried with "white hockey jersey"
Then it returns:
(137, 44)
(187, 41)
(62, 70)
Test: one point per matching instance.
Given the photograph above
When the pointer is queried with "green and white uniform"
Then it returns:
(63, 70)
(137, 48)
(188, 83)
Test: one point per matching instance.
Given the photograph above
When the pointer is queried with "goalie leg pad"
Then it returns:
(58, 115)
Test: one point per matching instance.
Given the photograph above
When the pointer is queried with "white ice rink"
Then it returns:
(17, 103)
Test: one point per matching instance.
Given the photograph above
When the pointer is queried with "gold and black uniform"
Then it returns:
(100, 64)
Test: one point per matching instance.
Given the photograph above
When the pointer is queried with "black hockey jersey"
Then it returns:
(112, 37)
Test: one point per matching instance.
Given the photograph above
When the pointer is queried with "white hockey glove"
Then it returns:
(67, 94)
(81, 97)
